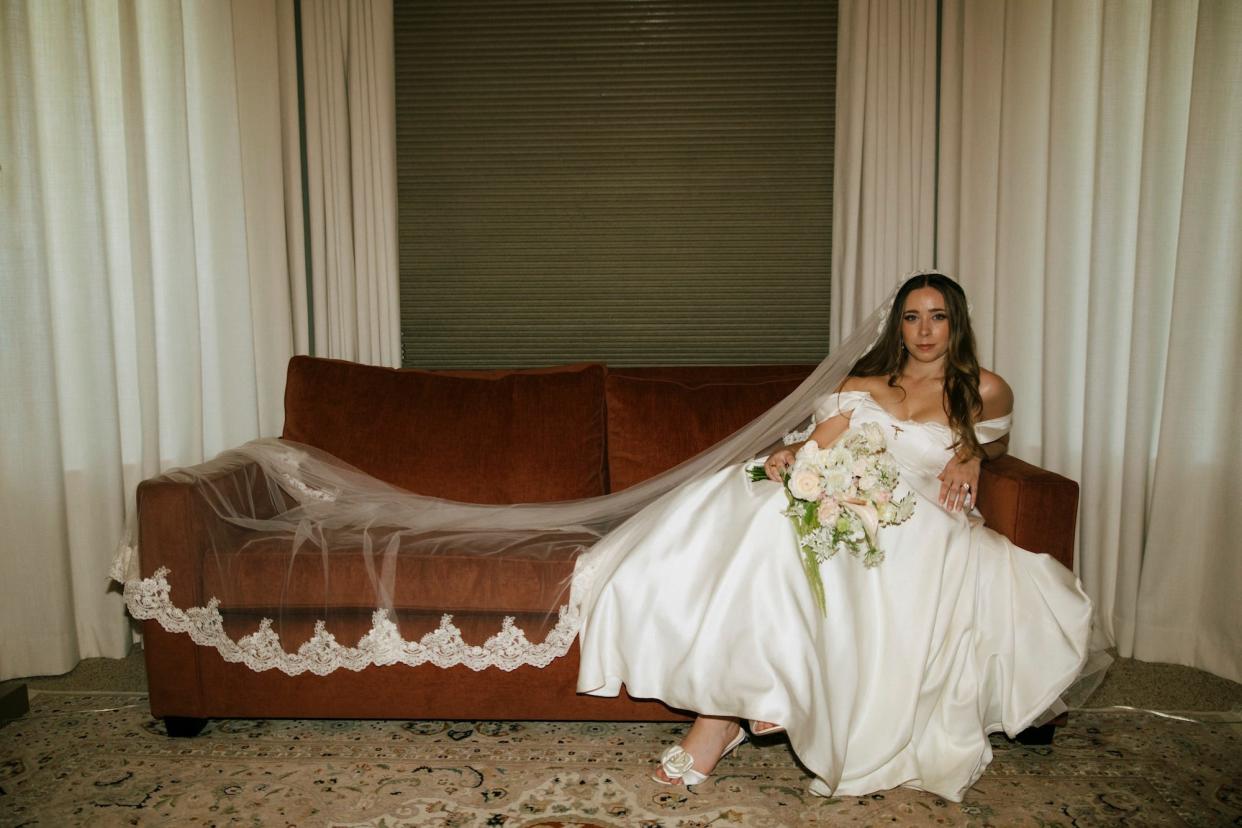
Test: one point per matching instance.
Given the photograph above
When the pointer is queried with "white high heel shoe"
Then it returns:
(766, 731)
(678, 764)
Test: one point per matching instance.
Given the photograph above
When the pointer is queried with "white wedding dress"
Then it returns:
(700, 601)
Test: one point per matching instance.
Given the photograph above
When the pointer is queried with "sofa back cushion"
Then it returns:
(476, 436)
(658, 417)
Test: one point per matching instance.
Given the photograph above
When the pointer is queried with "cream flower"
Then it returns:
(837, 481)
(805, 484)
(828, 511)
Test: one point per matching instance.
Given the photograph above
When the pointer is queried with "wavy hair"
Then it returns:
(887, 357)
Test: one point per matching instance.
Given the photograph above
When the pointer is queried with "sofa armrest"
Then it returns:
(175, 517)
(175, 525)
(1035, 508)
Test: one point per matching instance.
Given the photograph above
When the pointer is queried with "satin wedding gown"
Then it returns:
(700, 601)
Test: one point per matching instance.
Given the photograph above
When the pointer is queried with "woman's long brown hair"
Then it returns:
(962, 402)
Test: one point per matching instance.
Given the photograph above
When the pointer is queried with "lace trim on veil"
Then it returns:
(509, 649)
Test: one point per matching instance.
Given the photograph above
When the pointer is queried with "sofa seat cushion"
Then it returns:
(431, 573)
(658, 417)
(476, 436)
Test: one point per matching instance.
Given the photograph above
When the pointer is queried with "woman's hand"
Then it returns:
(778, 463)
(959, 483)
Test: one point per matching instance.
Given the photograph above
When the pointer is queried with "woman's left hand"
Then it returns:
(959, 483)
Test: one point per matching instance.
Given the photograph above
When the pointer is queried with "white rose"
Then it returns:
(805, 484)
(811, 456)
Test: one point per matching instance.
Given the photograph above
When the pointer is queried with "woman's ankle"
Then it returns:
(707, 739)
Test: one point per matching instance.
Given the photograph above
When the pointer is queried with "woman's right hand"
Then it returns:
(778, 463)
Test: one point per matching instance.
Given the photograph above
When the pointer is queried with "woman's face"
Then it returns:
(925, 325)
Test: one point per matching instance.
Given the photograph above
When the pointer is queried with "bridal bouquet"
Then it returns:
(839, 497)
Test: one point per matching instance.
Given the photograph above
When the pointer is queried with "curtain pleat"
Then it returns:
(1187, 610)
(351, 166)
(144, 286)
(884, 189)
(1087, 191)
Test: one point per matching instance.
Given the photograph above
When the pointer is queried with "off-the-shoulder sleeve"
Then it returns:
(842, 402)
(993, 429)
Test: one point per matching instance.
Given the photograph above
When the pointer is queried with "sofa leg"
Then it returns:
(1043, 734)
(184, 727)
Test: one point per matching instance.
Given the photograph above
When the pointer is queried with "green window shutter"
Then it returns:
(637, 183)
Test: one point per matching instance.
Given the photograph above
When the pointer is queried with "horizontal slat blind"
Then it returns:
(638, 183)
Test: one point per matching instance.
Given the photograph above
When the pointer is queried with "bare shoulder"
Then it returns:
(996, 394)
(858, 384)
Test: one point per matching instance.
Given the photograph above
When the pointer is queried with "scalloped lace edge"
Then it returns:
(148, 599)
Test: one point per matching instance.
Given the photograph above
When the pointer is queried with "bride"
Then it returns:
(957, 634)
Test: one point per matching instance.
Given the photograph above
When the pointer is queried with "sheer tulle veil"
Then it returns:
(299, 511)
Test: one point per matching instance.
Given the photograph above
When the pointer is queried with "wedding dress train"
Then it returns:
(700, 601)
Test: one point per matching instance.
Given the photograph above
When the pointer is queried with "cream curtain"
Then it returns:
(885, 153)
(1090, 201)
(144, 284)
(352, 180)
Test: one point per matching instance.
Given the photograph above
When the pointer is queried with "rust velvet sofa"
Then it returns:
(547, 434)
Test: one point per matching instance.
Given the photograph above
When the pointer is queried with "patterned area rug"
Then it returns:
(100, 759)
